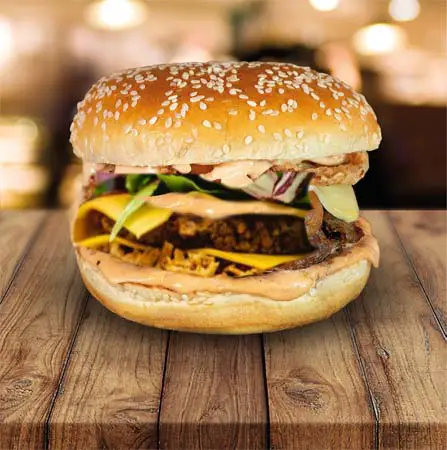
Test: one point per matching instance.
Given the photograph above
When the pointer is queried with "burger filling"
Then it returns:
(187, 223)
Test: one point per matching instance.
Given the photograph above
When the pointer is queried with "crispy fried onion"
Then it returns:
(350, 171)
(314, 218)
(177, 260)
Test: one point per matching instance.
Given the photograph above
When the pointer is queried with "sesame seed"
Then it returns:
(197, 99)
(248, 140)
(217, 125)
(262, 102)
(337, 117)
(261, 129)
(202, 106)
(118, 103)
(281, 91)
(314, 116)
(284, 107)
(173, 107)
(206, 123)
(193, 94)
(251, 103)
(168, 122)
(142, 122)
(300, 134)
(153, 120)
(277, 137)
(165, 103)
(232, 112)
(288, 133)
(226, 148)
(252, 115)
(133, 93)
(125, 106)
(328, 112)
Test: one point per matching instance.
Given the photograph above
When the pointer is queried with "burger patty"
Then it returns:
(245, 234)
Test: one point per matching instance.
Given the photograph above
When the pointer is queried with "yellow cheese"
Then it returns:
(103, 239)
(140, 222)
(258, 261)
(339, 200)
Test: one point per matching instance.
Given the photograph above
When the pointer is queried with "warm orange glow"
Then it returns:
(116, 14)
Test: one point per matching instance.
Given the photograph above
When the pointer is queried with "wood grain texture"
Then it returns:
(16, 230)
(424, 237)
(214, 396)
(402, 349)
(111, 392)
(38, 317)
(316, 393)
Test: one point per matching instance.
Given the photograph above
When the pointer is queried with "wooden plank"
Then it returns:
(16, 230)
(403, 351)
(111, 392)
(38, 318)
(424, 237)
(317, 397)
(214, 395)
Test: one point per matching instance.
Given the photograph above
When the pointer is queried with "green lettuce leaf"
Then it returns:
(135, 204)
(136, 182)
(192, 183)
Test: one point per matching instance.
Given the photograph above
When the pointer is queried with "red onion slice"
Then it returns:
(262, 187)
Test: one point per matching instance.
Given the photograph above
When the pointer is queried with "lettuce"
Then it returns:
(134, 205)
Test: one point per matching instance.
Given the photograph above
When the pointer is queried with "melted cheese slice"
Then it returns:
(103, 239)
(258, 261)
(159, 209)
(339, 200)
(145, 219)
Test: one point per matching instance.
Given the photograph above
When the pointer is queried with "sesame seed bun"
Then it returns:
(211, 113)
(338, 281)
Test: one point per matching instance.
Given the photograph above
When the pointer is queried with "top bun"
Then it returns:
(210, 113)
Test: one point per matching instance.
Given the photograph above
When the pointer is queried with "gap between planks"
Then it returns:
(438, 320)
(63, 371)
(374, 407)
(27, 248)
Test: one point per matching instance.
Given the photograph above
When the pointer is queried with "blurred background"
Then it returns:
(394, 51)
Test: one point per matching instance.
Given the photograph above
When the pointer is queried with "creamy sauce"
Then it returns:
(124, 170)
(182, 168)
(334, 160)
(285, 285)
(213, 208)
(238, 174)
(235, 174)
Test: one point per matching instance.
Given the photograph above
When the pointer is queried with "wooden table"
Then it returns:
(74, 376)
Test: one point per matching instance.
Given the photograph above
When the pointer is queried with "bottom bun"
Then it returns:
(228, 313)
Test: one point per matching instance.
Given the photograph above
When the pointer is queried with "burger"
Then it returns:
(218, 197)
